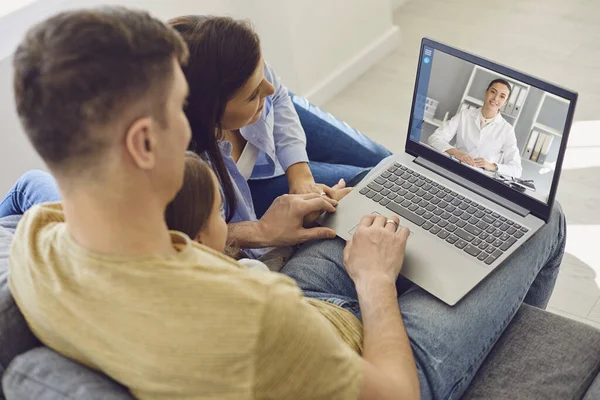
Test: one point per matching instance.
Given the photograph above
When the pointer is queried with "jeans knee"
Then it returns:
(34, 177)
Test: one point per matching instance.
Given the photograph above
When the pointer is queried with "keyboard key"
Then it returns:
(524, 230)
(456, 202)
(461, 223)
(490, 239)
(453, 219)
(404, 213)
(446, 215)
(427, 187)
(472, 250)
(490, 249)
(473, 230)
(482, 225)
(402, 167)
(427, 196)
(447, 190)
(490, 260)
(392, 196)
(479, 214)
(510, 231)
(413, 207)
(463, 206)
(435, 219)
(384, 201)
(416, 174)
(497, 253)
(412, 179)
(442, 223)
(399, 173)
(497, 224)
(420, 192)
(464, 235)
(451, 239)
(484, 235)
(380, 180)
(370, 194)
(517, 226)
(415, 200)
(476, 242)
(413, 189)
(451, 228)
(471, 210)
(465, 216)
(405, 175)
(364, 190)
(480, 207)
(385, 192)
(441, 194)
(488, 219)
(497, 243)
(461, 197)
(420, 211)
(473, 220)
(482, 246)
(435, 184)
(409, 196)
(392, 168)
(504, 236)
(423, 203)
(450, 208)
(435, 230)
(482, 256)
(497, 233)
(428, 180)
(504, 227)
(427, 225)
(388, 185)
(518, 234)
(419, 183)
(443, 234)
(386, 174)
(490, 229)
(377, 197)
(427, 215)
(448, 198)
(406, 203)
(495, 214)
(438, 211)
(393, 178)
(431, 208)
(467, 201)
(435, 200)
(457, 213)
(509, 222)
(401, 192)
(460, 244)
(434, 190)
(508, 243)
(374, 186)
(443, 204)
(503, 219)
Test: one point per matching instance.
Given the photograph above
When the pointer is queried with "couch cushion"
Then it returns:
(539, 356)
(43, 374)
(15, 336)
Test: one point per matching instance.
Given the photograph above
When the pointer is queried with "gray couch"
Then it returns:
(540, 356)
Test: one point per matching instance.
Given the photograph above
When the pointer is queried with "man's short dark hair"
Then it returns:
(82, 70)
(502, 81)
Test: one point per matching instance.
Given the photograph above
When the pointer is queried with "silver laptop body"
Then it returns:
(463, 223)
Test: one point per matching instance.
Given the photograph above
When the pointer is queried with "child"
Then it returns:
(197, 210)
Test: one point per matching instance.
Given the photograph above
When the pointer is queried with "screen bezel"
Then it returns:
(536, 207)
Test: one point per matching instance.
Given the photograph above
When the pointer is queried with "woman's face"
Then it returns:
(247, 104)
(496, 96)
(214, 233)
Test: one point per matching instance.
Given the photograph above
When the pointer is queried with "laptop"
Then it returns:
(465, 221)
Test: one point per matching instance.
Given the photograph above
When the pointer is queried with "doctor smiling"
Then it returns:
(484, 139)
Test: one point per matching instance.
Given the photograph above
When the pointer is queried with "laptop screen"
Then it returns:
(504, 128)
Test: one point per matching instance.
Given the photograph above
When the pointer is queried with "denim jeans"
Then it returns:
(449, 343)
(335, 150)
(32, 188)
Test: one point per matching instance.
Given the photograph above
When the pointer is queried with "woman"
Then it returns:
(267, 143)
(483, 138)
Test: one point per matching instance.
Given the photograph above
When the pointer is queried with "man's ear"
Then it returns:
(140, 142)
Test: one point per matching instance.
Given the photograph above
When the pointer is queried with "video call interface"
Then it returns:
(500, 127)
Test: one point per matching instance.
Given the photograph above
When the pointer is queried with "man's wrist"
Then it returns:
(374, 284)
(249, 235)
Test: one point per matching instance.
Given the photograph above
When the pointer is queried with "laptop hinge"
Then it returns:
(472, 186)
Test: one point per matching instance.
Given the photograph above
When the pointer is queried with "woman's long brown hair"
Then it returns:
(223, 54)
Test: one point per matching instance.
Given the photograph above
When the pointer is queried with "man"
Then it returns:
(100, 279)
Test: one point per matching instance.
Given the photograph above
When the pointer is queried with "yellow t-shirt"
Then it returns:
(194, 325)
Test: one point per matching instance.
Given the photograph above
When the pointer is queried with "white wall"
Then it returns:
(316, 46)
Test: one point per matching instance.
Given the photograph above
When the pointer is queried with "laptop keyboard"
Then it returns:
(477, 230)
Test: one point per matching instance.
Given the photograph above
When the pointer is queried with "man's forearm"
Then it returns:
(247, 235)
(386, 344)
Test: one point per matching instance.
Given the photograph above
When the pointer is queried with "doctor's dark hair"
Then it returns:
(502, 81)
(223, 55)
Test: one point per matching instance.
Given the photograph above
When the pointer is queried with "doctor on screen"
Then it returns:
(483, 138)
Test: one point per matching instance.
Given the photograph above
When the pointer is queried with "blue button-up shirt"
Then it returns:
(281, 140)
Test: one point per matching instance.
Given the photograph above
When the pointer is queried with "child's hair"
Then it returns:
(191, 208)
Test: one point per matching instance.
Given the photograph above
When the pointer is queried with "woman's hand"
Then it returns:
(337, 192)
(485, 164)
(461, 156)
